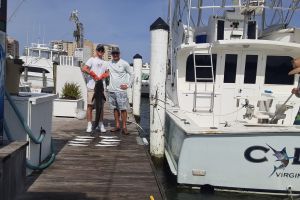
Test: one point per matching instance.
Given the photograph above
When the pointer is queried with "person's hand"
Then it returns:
(97, 78)
(94, 75)
(104, 75)
(124, 86)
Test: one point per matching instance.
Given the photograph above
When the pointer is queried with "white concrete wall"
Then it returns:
(71, 74)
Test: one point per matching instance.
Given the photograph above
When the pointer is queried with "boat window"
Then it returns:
(230, 68)
(204, 72)
(45, 54)
(250, 69)
(277, 69)
(34, 53)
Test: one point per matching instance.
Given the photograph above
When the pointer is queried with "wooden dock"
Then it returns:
(94, 173)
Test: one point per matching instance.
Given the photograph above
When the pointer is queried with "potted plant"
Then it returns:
(70, 101)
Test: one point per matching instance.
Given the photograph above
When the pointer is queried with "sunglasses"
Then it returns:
(115, 53)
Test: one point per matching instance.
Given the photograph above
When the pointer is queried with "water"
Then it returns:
(168, 180)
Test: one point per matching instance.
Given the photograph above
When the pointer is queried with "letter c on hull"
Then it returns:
(247, 154)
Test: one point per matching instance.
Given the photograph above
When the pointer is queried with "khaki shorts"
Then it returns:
(90, 94)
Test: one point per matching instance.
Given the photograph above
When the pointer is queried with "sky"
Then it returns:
(122, 22)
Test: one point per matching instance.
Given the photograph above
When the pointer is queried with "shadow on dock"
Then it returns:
(92, 172)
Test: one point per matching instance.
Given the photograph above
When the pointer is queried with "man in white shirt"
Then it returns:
(95, 68)
(119, 70)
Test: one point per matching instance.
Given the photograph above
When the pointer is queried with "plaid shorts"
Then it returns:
(118, 100)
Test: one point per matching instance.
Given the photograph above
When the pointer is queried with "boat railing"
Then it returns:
(193, 10)
(66, 60)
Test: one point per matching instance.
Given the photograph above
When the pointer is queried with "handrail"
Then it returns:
(38, 140)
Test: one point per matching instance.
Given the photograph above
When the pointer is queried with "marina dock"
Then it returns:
(91, 172)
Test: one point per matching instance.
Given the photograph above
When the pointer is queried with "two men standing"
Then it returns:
(118, 70)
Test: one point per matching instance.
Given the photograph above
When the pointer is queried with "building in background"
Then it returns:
(12, 46)
(108, 48)
(61, 45)
(89, 48)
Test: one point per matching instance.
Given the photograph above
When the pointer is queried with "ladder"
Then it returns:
(205, 94)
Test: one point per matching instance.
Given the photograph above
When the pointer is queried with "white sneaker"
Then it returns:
(101, 127)
(89, 127)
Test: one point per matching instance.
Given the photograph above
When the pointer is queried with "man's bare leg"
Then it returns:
(89, 117)
(124, 121)
(117, 120)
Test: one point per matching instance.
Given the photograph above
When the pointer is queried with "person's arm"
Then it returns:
(131, 74)
(104, 75)
(87, 69)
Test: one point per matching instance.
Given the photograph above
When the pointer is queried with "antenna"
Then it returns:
(44, 34)
(78, 33)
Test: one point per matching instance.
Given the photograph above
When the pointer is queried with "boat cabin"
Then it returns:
(249, 71)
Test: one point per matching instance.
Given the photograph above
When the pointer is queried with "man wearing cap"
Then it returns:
(119, 70)
(95, 68)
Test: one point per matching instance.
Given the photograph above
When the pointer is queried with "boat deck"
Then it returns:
(92, 173)
(191, 127)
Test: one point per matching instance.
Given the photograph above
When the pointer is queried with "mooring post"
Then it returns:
(137, 84)
(159, 47)
(129, 90)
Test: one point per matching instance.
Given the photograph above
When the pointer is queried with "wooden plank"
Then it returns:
(92, 173)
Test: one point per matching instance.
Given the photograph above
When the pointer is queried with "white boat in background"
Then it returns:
(38, 61)
(229, 123)
(145, 79)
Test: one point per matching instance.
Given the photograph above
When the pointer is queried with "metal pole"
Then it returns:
(25, 74)
(44, 79)
(170, 21)
(188, 22)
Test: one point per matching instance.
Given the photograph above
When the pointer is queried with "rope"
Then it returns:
(160, 187)
(15, 11)
(186, 111)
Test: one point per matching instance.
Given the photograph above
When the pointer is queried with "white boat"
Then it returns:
(145, 79)
(38, 61)
(228, 124)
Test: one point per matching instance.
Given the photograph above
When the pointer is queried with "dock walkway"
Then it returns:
(93, 173)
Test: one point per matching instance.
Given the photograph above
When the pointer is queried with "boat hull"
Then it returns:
(243, 161)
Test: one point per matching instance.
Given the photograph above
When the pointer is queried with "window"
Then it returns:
(230, 68)
(250, 69)
(277, 69)
(204, 72)
(34, 53)
(45, 54)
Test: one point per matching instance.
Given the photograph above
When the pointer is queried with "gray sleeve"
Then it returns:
(129, 70)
